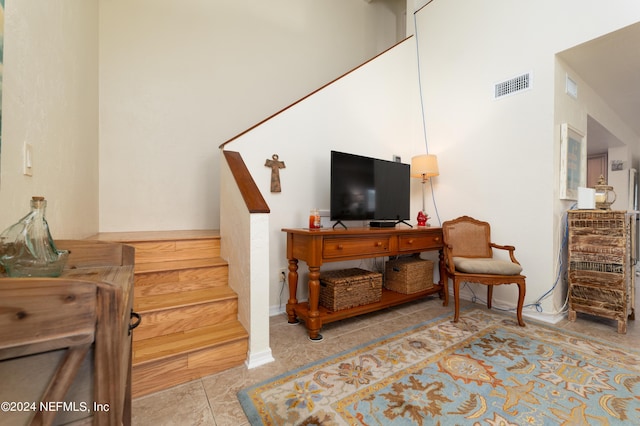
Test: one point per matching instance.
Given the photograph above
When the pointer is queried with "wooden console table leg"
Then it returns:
(314, 324)
(293, 291)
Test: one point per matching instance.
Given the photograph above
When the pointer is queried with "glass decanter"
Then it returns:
(27, 249)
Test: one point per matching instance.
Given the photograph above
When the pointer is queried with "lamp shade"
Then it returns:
(424, 166)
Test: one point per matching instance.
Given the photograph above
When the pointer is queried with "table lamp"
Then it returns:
(424, 166)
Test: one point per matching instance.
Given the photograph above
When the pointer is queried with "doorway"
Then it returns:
(599, 141)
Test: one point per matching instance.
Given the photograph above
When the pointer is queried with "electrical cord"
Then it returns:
(563, 245)
(435, 204)
(424, 124)
(283, 280)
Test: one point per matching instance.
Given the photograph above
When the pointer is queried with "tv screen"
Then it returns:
(364, 188)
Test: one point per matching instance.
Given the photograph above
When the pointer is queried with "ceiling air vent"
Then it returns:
(511, 86)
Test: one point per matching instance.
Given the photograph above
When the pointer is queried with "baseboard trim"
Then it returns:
(276, 310)
(258, 359)
(549, 318)
(280, 309)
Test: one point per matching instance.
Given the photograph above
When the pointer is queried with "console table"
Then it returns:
(319, 246)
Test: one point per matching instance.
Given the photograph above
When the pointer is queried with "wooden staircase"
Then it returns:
(189, 325)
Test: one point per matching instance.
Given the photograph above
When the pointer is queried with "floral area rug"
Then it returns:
(484, 370)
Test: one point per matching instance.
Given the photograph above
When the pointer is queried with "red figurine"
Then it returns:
(422, 218)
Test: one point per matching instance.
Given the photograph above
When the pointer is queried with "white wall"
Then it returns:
(245, 245)
(374, 111)
(50, 100)
(177, 79)
(499, 160)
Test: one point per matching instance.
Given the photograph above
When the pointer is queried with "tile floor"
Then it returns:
(212, 400)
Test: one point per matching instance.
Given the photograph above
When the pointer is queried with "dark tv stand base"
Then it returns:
(377, 224)
(387, 224)
(405, 222)
(339, 223)
(382, 224)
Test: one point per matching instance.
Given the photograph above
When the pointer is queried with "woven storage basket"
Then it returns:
(347, 288)
(408, 275)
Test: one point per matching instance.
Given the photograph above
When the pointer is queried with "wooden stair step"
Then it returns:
(142, 290)
(145, 236)
(184, 311)
(159, 251)
(175, 344)
(177, 265)
(190, 275)
(181, 299)
(159, 246)
(175, 320)
(161, 374)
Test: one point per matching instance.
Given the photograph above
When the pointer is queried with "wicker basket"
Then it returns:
(408, 275)
(347, 288)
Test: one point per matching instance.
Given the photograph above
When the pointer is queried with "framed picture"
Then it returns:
(573, 162)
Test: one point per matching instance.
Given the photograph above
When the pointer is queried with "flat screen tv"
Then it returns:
(364, 188)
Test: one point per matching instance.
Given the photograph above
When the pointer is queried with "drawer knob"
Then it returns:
(378, 244)
(436, 239)
(340, 246)
(410, 241)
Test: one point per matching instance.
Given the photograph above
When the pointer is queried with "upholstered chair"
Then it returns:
(468, 253)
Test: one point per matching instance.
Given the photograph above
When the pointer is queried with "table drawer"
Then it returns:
(345, 247)
(413, 243)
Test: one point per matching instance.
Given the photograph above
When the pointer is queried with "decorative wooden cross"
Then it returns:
(275, 172)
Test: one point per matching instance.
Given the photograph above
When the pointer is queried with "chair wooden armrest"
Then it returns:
(511, 250)
(448, 258)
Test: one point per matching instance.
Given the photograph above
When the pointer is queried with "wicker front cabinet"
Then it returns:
(601, 272)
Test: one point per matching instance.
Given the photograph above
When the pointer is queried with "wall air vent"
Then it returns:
(512, 86)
